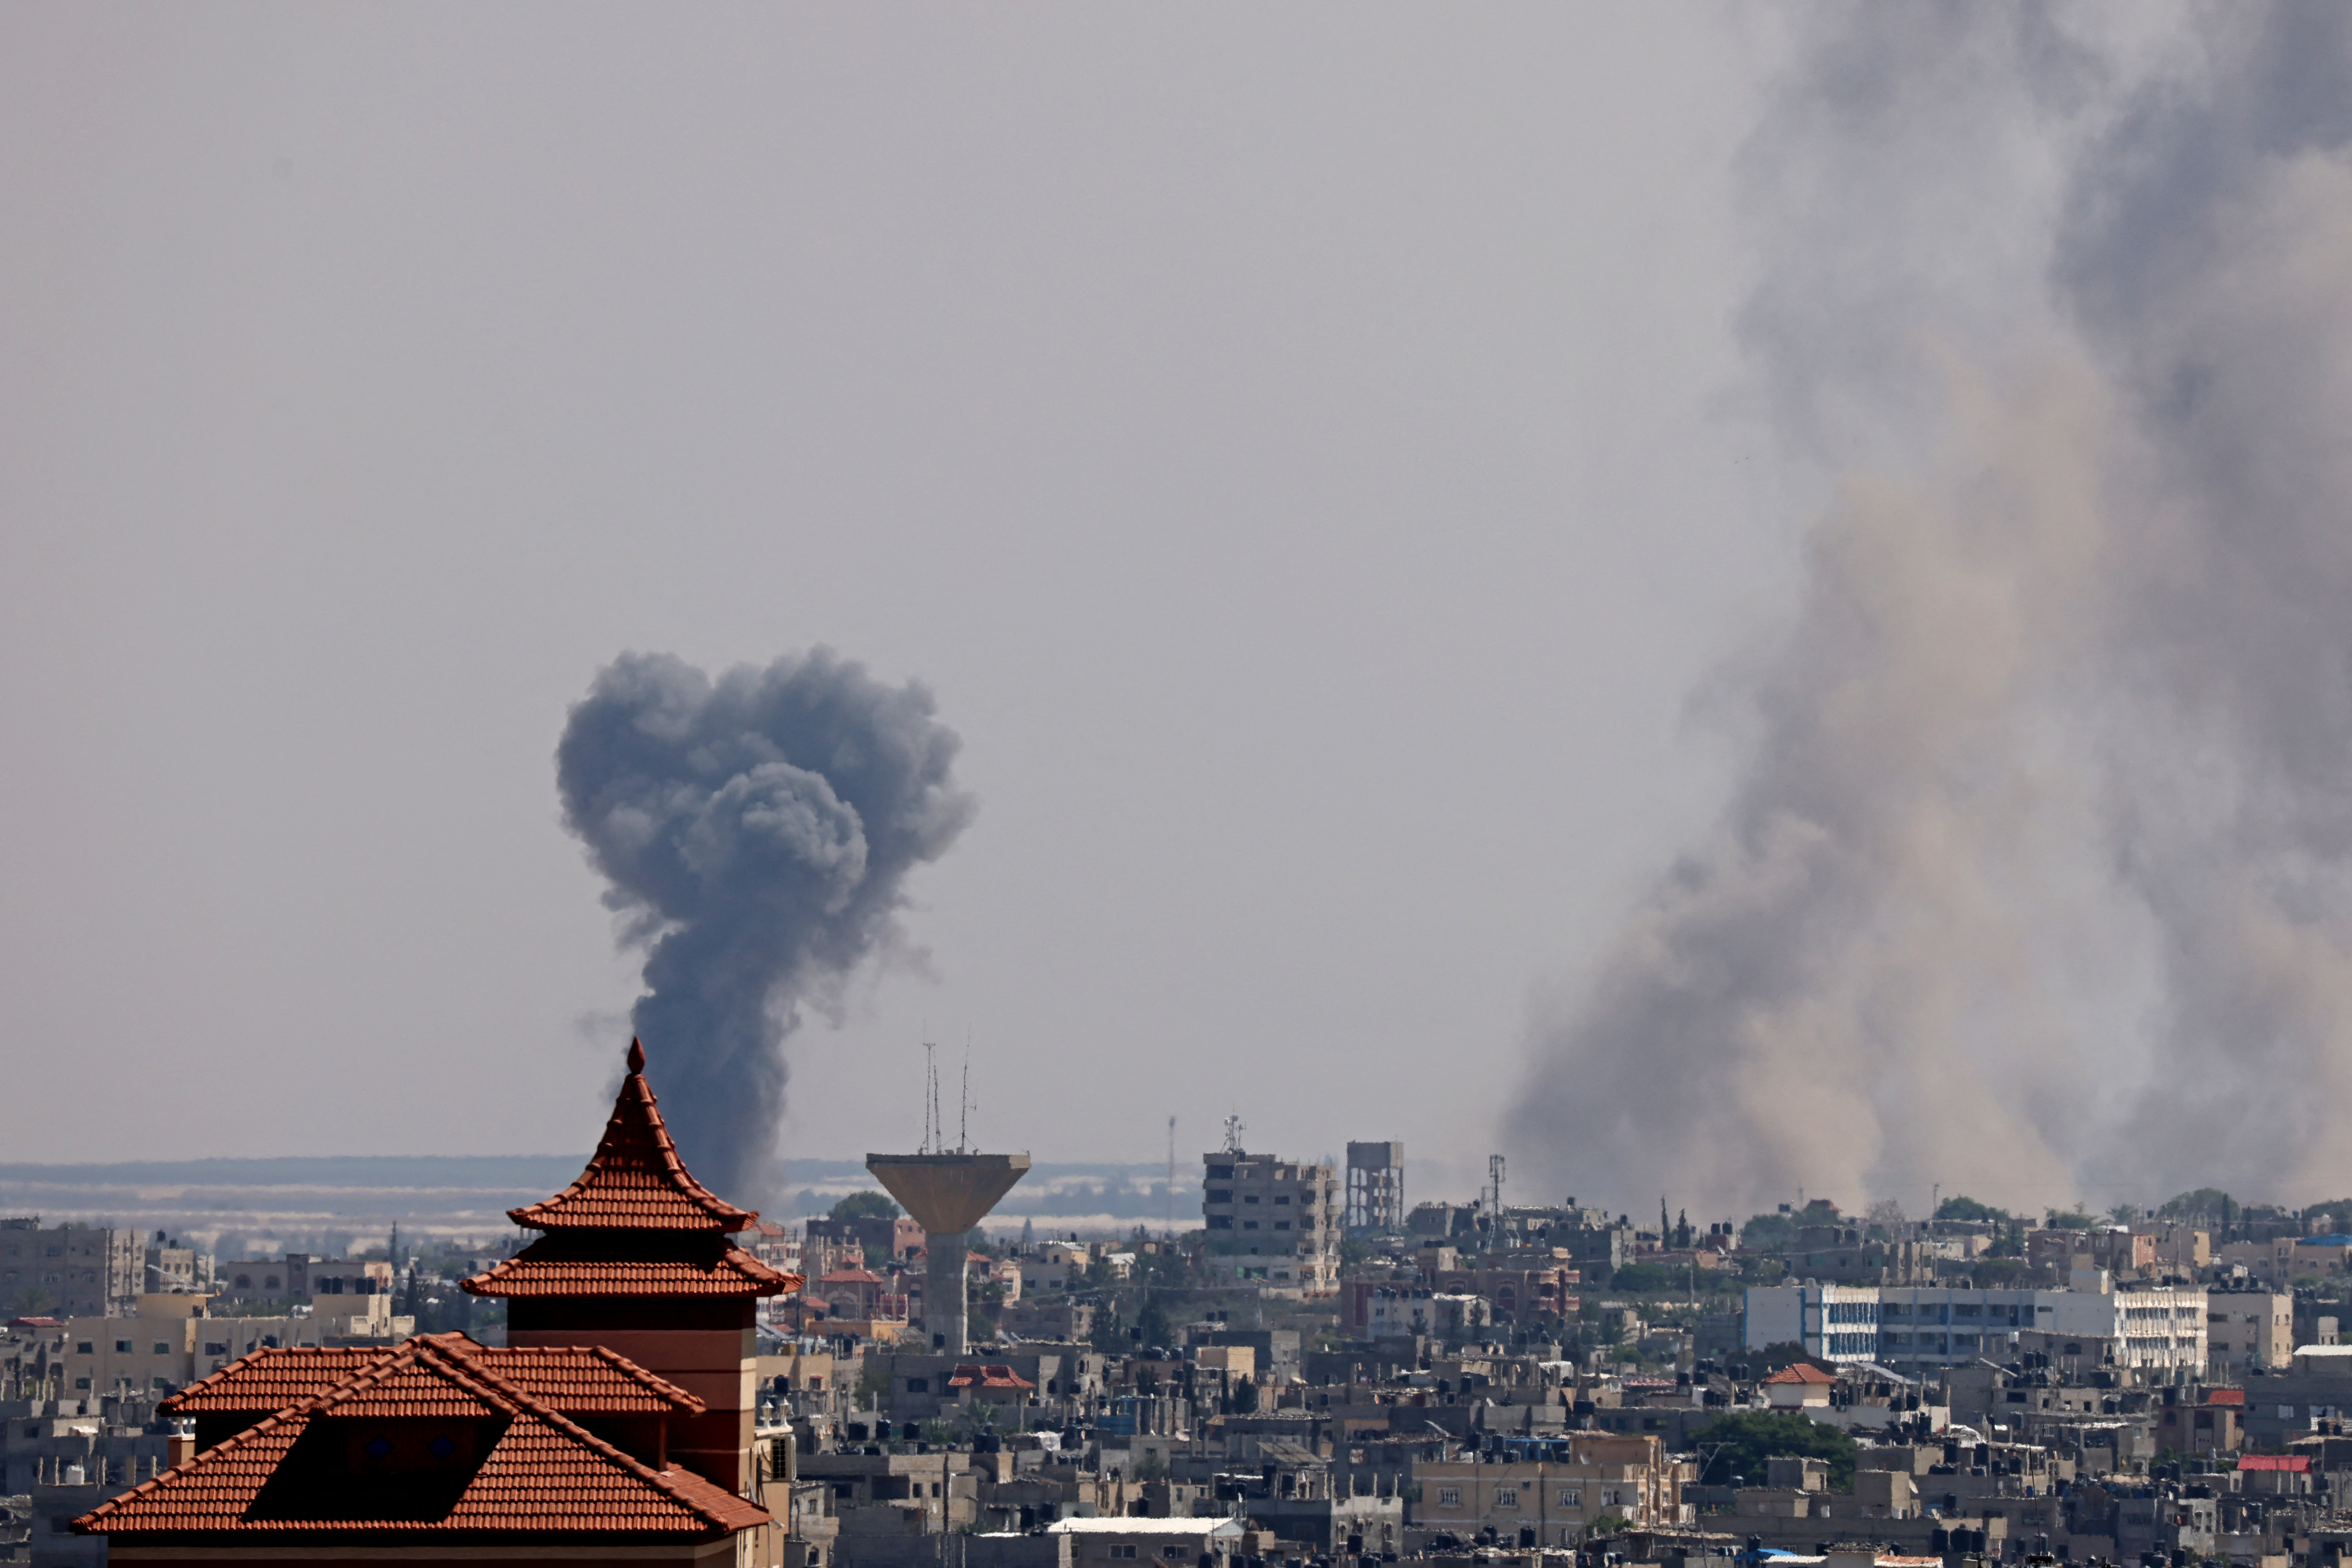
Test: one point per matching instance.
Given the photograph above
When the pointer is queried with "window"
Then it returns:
(159, 1383)
(1283, 1200)
(1221, 1222)
(1175, 1550)
(245, 1281)
(84, 1347)
(1282, 1224)
(81, 1383)
(1221, 1194)
(1220, 1173)
(1507, 1497)
(918, 1386)
(163, 1349)
(1571, 1497)
(1449, 1497)
(1121, 1554)
(1249, 1225)
(217, 1347)
(1249, 1197)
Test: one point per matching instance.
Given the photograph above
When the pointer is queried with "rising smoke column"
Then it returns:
(2036, 882)
(757, 831)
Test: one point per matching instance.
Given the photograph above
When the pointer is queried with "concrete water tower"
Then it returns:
(948, 1194)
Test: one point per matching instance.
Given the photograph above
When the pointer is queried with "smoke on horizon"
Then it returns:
(757, 832)
(2034, 881)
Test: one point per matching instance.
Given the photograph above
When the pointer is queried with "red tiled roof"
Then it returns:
(271, 1378)
(579, 1379)
(543, 1475)
(1799, 1372)
(2293, 1464)
(992, 1375)
(732, 1272)
(634, 1181)
(2225, 1396)
(851, 1276)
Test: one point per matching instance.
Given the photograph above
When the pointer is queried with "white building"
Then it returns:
(1924, 1327)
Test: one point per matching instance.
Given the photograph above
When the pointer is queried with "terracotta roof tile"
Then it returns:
(992, 1375)
(733, 1272)
(579, 1379)
(543, 1475)
(635, 1180)
(273, 1378)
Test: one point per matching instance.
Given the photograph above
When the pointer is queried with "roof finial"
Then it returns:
(636, 1057)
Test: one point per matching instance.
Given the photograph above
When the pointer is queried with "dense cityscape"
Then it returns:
(1311, 1370)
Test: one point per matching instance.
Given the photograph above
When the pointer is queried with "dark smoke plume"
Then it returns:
(757, 831)
(2038, 883)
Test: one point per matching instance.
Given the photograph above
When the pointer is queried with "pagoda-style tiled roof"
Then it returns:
(542, 1474)
(635, 1181)
(577, 1380)
(535, 1273)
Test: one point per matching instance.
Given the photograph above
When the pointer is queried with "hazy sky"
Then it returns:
(1301, 448)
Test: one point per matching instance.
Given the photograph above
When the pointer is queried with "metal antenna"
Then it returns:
(964, 1114)
(930, 1096)
(939, 1122)
(1233, 1133)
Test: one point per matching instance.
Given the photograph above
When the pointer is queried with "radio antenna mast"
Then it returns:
(931, 1097)
(963, 1113)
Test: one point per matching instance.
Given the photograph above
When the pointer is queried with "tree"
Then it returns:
(866, 1204)
(1739, 1443)
(2069, 1219)
(1886, 1217)
(1768, 1232)
(1152, 1322)
(1645, 1279)
(2204, 1206)
(1962, 1207)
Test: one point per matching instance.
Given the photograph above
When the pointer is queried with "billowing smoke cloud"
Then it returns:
(757, 831)
(2035, 883)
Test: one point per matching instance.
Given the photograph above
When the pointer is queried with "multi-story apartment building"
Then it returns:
(168, 1343)
(299, 1277)
(1375, 1186)
(1914, 1328)
(1580, 1478)
(68, 1270)
(1272, 1220)
(2248, 1329)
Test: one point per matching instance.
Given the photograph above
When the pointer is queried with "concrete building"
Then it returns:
(1272, 1221)
(1135, 1542)
(1375, 1187)
(2248, 1329)
(68, 1270)
(1925, 1327)
(299, 1277)
(170, 1343)
(1587, 1475)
